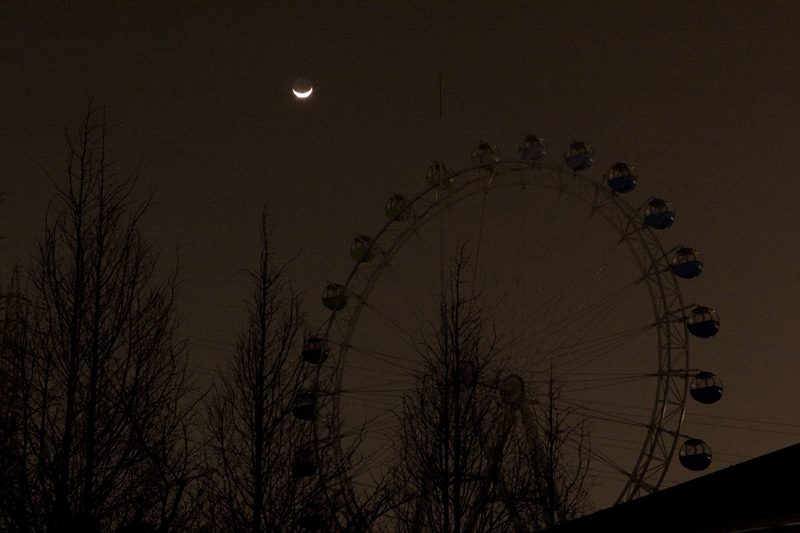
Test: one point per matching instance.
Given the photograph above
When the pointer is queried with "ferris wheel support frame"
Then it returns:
(672, 383)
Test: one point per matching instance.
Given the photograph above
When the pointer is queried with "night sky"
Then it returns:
(702, 97)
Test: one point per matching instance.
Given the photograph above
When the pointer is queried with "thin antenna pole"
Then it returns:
(440, 94)
(442, 263)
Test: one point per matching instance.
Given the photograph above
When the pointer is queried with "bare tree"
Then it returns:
(273, 435)
(250, 430)
(562, 461)
(476, 454)
(443, 424)
(101, 432)
(12, 412)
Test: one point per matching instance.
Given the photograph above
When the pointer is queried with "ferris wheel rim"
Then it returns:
(660, 443)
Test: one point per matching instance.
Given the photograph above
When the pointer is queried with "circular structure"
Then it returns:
(302, 88)
(576, 287)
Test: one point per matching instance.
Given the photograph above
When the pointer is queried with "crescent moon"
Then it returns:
(302, 95)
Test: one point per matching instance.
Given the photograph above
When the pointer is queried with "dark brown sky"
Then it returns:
(703, 97)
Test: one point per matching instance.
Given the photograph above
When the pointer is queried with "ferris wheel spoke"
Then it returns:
(603, 458)
(589, 316)
(608, 383)
(400, 330)
(577, 359)
(393, 360)
(597, 414)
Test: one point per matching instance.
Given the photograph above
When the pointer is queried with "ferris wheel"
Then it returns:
(579, 286)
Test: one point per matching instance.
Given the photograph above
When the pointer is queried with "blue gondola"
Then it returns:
(362, 249)
(695, 455)
(580, 156)
(703, 322)
(303, 464)
(659, 214)
(533, 148)
(312, 518)
(440, 175)
(485, 154)
(621, 177)
(304, 406)
(687, 263)
(315, 350)
(334, 297)
(398, 208)
(706, 388)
